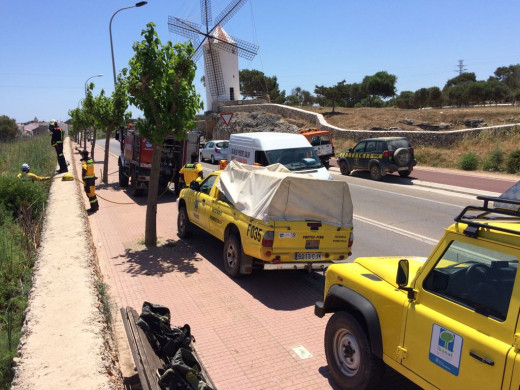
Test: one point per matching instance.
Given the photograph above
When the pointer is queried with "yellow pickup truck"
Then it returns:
(269, 218)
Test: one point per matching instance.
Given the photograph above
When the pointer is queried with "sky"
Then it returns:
(49, 49)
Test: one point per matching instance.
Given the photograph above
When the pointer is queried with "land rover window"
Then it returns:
(206, 185)
(476, 277)
(398, 143)
(359, 148)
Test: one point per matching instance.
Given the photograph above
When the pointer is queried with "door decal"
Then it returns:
(445, 349)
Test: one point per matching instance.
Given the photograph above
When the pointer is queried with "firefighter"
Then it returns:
(89, 181)
(25, 175)
(192, 170)
(57, 143)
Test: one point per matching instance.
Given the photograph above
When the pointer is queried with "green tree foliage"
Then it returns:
(510, 76)
(299, 97)
(160, 83)
(405, 100)
(494, 161)
(463, 78)
(8, 128)
(496, 90)
(332, 95)
(254, 83)
(380, 85)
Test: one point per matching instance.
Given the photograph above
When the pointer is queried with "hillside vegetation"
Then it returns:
(486, 152)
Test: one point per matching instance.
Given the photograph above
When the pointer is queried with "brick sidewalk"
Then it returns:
(245, 329)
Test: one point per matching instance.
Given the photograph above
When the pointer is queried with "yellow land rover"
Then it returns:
(449, 321)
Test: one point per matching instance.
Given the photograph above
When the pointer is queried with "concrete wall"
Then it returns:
(419, 137)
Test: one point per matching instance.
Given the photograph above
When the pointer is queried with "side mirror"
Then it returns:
(403, 269)
(195, 185)
(350, 150)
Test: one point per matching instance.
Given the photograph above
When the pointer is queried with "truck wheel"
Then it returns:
(213, 161)
(350, 359)
(326, 164)
(184, 226)
(344, 168)
(123, 179)
(404, 173)
(375, 172)
(232, 255)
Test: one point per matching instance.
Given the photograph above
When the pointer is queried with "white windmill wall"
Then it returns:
(229, 64)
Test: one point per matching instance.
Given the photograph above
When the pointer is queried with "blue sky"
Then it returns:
(50, 48)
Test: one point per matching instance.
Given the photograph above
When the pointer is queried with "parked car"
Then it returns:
(379, 156)
(214, 151)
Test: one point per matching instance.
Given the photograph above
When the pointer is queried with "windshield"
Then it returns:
(296, 159)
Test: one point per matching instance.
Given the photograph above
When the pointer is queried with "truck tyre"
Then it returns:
(404, 173)
(402, 157)
(344, 168)
(350, 359)
(375, 172)
(123, 179)
(232, 255)
(184, 226)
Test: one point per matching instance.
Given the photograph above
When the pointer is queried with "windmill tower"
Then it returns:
(220, 50)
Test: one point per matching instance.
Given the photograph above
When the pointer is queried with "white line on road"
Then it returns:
(396, 230)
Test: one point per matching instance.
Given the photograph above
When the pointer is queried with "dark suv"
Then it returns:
(379, 156)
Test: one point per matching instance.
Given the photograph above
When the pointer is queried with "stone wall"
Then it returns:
(419, 137)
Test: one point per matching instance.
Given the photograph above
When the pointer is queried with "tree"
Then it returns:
(78, 121)
(299, 97)
(160, 84)
(496, 90)
(435, 97)
(405, 100)
(8, 128)
(254, 83)
(381, 84)
(110, 112)
(461, 79)
(332, 95)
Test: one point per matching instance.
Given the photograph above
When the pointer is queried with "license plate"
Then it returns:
(307, 256)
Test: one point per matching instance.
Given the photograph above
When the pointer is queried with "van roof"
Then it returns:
(268, 140)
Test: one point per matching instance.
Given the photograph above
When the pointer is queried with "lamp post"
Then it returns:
(98, 75)
(140, 4)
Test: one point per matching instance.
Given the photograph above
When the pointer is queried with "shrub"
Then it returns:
(494, 161)
(513, 162)
(468, 161)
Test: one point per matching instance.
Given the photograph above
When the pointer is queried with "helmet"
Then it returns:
(25, 167)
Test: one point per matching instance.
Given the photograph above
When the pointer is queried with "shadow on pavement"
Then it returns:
(390, 178)
(172, 256)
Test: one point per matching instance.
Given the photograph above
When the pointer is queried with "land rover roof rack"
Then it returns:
(502, 206)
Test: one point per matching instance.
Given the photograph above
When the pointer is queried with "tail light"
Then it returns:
(217, 150)
(411, 150)
(268, 238)
(386, 153)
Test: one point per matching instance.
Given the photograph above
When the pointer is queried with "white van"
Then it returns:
(266, 148)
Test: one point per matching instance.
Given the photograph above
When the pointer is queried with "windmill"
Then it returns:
(220, 50)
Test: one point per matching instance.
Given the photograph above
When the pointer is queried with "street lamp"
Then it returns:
(140, 4)
(98, 75)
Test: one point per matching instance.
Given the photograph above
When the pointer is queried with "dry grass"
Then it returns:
(367, 118)
(386, 118)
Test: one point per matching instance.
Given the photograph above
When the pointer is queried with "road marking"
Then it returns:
(396, 230)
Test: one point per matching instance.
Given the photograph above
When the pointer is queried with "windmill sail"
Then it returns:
(215, 44)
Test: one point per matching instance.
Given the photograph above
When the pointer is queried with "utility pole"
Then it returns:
(461, 69)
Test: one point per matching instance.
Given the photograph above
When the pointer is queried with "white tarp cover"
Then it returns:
(273, 193)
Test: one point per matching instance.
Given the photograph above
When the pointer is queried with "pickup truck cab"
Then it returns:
(449, 321)
(269, 218)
